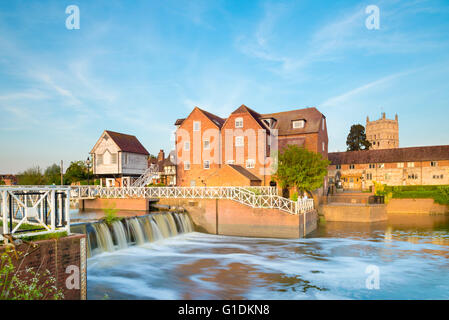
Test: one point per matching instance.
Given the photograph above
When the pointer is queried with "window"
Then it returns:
(400, 164)
(369, 176)
(410, 164)
(230, 162)
(196, 125)
(387, 176)
(239, 122)
(381, 165)
(206, 144)
(239, 142)
(324, 146)
(338, 166)
(114, 158)
(322, 124)
(413, 176)
(438, 176)
(99, 159)
(250, 163)
(206, 164)
(433, 163)
(186, 165)
(351, 166)
(297, 124)
(372, 166)
(125, 158)
(187, 145)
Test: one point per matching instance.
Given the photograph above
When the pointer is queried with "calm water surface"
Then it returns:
(411, 252)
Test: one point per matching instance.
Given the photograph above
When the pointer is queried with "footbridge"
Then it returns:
(255, 197)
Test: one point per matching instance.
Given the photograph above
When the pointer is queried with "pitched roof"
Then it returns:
(127, 143)
(411, 154)
(212, 117)
(284, 120)
(244, 172)
(254, 114)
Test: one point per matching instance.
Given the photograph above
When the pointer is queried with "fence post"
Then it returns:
(67, 211)
(4, 209)
(53, 210)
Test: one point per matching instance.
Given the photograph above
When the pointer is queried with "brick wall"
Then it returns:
(55, 255)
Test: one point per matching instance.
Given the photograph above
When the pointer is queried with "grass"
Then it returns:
(30, 227)
(440, 194)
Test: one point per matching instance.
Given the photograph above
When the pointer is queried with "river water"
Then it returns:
(404, 258)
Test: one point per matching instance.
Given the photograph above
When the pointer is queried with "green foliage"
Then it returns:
(300, 168)
(26, 285)
(77, 171)
(31, 176)
(2, 183)
(160, 184)
(52, 174)
(110, 215)
(294, 196)
(46, 236)
(256, 191)
(356, 139)
(439, 193)
(382, 190)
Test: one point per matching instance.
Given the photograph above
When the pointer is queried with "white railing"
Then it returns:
(256, 197)
(147, 177)
(31, 210)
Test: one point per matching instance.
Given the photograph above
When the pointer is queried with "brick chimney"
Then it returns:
(161, 155)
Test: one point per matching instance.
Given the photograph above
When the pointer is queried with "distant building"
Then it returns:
(396, 167)
(118, 159)
(8, 179)
(235, 151)
(166, 168)
(382, 133)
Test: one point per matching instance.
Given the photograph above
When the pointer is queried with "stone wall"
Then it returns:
(348, 212)
(119, 204)
(416, 206)
(227, 217)
(56, 255)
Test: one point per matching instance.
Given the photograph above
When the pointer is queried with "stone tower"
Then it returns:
(383, 133)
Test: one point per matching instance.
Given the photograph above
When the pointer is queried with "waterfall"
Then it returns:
(132, 231)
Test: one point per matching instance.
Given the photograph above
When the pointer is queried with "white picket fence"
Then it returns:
(256, 197)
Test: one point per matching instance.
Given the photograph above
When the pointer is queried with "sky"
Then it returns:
(136, 66)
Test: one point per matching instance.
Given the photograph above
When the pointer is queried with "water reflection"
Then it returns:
(411, 253)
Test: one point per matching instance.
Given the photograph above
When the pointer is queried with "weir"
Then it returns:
(131, 231)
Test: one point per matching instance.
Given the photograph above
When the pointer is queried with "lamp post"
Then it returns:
(88, 170)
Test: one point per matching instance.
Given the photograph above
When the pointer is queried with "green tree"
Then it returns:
(31, 176)
(2, 183)
(52, 174)
(301, 168)
(77, 171)
(356, 139)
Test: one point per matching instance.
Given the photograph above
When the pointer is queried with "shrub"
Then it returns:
(294, 196)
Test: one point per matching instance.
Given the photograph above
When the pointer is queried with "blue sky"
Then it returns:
(137, 66)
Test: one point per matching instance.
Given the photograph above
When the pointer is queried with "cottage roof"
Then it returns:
(125, 142)
(284, 120)
(431, 153)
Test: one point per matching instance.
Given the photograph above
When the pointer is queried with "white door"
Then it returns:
(110, 183)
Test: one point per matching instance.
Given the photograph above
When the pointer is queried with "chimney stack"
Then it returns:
(383, 115)
(161, 155)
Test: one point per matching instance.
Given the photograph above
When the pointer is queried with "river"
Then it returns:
(406, 257)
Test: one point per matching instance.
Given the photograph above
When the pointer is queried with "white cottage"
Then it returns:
(118, 159)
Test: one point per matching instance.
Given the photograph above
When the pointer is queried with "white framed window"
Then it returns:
(351, 166)
(206, 164)
(433, 164)
(230, 162)
(400, 164)
(369, 176)
(239, 141)
(99, 159)
(381, 165)
(250, 163)
(125, 158)
(324, 145)
(187, 146)
(372, 166)
(206, 144)
(338, 166)
(239, 122)
(298, 124)
(410, 164)
(196, 125)
(114, 158)
(186, 165)
(322, 124)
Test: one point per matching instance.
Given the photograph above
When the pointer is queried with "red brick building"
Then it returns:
(236, 151)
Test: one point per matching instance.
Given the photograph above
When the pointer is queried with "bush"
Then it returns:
(294, 196)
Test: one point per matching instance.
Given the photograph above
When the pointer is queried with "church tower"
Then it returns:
(383, 133)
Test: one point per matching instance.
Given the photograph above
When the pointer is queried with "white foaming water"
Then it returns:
(202, 266)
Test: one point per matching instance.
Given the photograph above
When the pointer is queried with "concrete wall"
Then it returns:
(227, 217)
(416, 206)
(56, 255)
(120, 204)
(346, 212)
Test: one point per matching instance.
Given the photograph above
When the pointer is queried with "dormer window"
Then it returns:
(298, 124)
(239, 122)
(196, 125)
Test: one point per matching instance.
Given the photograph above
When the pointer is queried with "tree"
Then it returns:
(31, 176)
(77, 171)
(52, 174)
(356, 139)
(300, 168)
